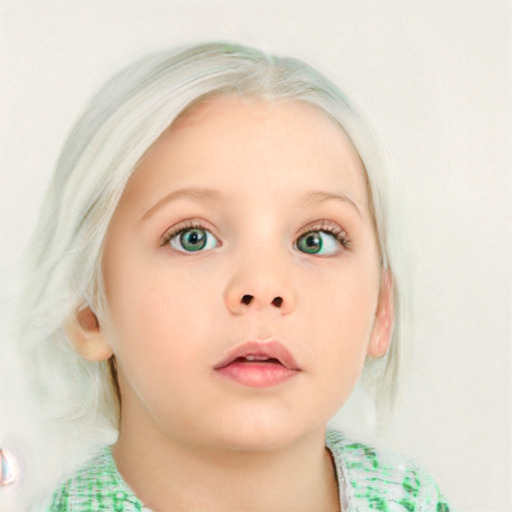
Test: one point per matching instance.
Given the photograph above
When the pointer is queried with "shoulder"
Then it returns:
(382, 480)
(96, 486)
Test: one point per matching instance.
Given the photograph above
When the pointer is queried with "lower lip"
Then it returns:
(257, 375)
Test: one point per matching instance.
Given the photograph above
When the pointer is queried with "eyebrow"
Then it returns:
(317, 196)
(193, 192)
(216, 196)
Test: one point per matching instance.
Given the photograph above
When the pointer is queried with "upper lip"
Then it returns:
(271, 348)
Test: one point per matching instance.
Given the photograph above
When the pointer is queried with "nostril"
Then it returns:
(247, 299)
(277, 302)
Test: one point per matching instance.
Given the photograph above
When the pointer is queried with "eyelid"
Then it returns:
(327, 226)
(187, 224)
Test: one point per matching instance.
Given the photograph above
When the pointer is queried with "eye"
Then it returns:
(190, 239)
(321, 242)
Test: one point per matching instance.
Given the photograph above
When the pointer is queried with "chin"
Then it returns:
(265, 433)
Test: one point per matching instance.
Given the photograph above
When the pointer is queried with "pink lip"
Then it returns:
(280, 366)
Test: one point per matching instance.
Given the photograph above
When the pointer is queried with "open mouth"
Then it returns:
(257, 359)
(259, 364)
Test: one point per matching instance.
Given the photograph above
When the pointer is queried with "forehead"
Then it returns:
(245, 145)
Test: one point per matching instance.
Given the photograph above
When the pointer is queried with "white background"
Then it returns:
(435, 77)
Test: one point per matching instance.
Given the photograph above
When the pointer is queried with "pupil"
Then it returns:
(311, 241)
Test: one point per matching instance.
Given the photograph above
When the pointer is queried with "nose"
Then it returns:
(258, 290)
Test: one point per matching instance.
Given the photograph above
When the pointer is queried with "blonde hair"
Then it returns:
(114, 132)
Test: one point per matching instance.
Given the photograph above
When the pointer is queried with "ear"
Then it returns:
(384, 317)
(86, 336)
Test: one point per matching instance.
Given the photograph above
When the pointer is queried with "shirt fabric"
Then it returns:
(367, 480)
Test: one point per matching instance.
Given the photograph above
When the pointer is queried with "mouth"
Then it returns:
(258, 364)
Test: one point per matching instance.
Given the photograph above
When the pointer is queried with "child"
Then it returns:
(210, 276)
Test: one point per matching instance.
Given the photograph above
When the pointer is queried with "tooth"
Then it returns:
(253, 357)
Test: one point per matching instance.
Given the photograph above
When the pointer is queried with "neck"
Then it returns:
(170, 475)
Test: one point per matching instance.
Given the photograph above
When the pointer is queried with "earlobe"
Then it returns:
(384, 318)
(84, 332)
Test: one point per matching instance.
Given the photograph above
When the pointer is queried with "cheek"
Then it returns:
(157, 314)
(158, 341)
(346, 299)
(342, 310)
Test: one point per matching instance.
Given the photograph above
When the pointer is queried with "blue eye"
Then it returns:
(192, 240)
(318, 242)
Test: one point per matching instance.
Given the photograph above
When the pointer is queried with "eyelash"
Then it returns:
(330, 228)
(184, 226)
(323, 226)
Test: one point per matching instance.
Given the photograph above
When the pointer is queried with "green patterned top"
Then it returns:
(368, 480)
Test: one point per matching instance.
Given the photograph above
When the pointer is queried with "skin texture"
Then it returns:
(271, 171)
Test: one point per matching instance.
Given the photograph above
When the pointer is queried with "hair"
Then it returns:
(120, 123)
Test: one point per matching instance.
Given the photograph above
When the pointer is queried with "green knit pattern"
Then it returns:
(371, 480)
(96, 487)
(376, 480)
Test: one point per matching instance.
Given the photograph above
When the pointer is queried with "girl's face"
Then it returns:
(242, 276)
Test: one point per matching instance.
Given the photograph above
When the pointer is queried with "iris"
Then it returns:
(193, 239)
(310, 243)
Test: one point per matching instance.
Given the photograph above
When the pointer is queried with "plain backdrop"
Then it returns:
(434, 77)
